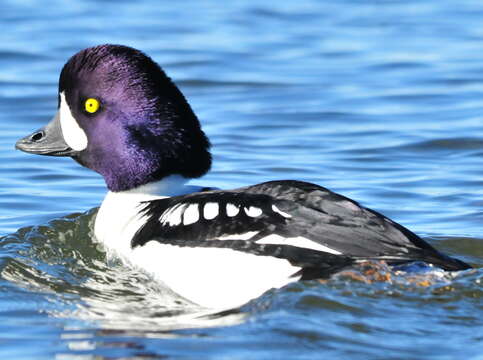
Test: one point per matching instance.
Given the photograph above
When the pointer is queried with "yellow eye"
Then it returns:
(92, 105)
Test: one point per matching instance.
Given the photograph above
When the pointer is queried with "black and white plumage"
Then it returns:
(121, 116)
(298, 221)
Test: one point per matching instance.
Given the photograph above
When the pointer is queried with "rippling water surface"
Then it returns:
(382, 102)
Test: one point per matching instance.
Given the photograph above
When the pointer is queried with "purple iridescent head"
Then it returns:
(120, 115)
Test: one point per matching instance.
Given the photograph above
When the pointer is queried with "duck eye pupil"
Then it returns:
(91, 105)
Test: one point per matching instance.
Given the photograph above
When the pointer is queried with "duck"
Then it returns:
(121, 116)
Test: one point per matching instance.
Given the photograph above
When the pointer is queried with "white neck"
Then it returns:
(118, 216)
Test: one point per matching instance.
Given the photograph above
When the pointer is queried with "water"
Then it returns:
(381, 102)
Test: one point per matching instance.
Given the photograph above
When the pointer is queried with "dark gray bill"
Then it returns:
(46, 141)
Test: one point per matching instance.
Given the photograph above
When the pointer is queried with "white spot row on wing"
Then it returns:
(191, 214)
(172, 216)
(210, 210)
(253, 211)
(232, 210)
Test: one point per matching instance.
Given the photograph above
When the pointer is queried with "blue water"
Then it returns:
(382, 102)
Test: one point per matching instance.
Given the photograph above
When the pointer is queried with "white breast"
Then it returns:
(118, 218)
(210, 277)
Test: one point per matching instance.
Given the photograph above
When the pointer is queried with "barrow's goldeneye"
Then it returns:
(121, 116)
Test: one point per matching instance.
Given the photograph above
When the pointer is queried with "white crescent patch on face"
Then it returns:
(74, 136)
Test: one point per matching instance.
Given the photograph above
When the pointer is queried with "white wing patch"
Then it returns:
(298, 241)
(191, 214)
(210, 210)
(73, 134)
(278, 211)
(232, 210)
(253, 211)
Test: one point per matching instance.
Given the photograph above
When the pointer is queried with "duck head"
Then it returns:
(121, 116)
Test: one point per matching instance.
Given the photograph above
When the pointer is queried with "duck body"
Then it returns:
(121, 116)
